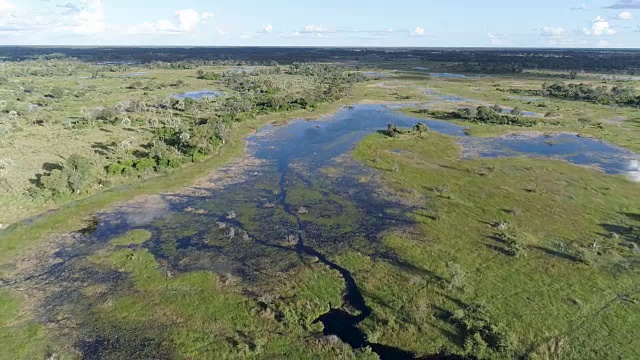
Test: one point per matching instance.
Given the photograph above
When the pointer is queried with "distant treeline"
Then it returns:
(617, 95)
(471, 60)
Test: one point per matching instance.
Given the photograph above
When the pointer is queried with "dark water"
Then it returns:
(197, 95)
(271, 233)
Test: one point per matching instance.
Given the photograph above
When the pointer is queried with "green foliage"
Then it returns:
(495, 115)
(145, 164)
(208, 75)
(456, 277)
(133, 237)
(79, 171)
(513, 243)
(107, 114)
(56, 182)
(420, 128)
(481, 335)
(75, 176)
(620, 95)
(115, 169)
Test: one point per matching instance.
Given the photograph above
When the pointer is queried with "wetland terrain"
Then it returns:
(370, 209)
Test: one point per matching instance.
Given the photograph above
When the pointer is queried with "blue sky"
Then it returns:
(489, 23)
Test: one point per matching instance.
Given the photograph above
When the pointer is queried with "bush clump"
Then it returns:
(74, 176)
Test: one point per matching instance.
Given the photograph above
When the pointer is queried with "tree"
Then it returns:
(391, 130)
(584, 121)
(420, 128)
(457, 277)
(5, 165)
(517, 112)
(78, 170)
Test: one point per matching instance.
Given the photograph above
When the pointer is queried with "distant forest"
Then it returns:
(468, 60)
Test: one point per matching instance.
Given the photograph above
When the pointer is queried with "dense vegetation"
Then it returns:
(472, 60)
(605, 95)
(494, 115)
(181, 131)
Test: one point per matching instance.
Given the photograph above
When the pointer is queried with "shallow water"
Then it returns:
(455, 76)
(524, 98)
(197, 95)
(507, 110)
(577, 150)
(297, 166)
(135, 74)
(454, 98)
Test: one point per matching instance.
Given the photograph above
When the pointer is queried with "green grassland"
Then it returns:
(579, 265)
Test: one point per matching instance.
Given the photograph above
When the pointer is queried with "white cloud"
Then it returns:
(206, 16)
(418, 32)
(90, 19)
(580, 7)
(599, 27)
(316, 29)
(245, 35)
(498, 39)
(625, 15)
(553, 31)
(188, 20)
(220, 31)
(7, 8)
(267, 28)
(602, 43)
(296, 34)
(153, 28)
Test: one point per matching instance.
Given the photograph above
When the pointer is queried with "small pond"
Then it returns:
(135, 74)
(455, 76)
(453, 98)
(577, 150)
(507, 110)
(524, 98)
(197, 95)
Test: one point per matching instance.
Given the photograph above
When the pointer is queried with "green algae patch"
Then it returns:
(133, 237)
(22, 337)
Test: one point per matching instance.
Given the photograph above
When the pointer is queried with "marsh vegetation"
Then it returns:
(435, 226)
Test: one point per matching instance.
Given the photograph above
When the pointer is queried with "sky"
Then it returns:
(401, 23)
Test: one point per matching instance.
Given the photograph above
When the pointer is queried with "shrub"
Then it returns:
(456, 277)
(481, 335)
(513, 243)
(107, 114)
(79, 171)
(145, 164)
(56, 182)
